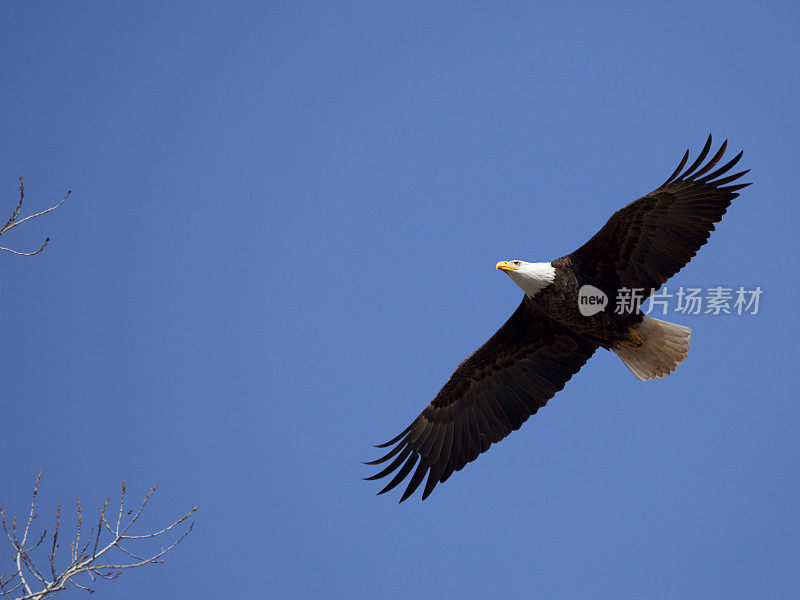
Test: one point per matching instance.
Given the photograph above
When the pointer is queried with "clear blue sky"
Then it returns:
(281, 240)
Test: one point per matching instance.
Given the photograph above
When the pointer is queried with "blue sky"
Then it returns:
(281, 240)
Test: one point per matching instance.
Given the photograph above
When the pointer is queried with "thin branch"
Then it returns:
(175, 524)
(52, 554)
(76, 542)
(18, 208)
(121, 506)
(34, 253)
(32, 514)
(83, 587)
(14, 220)
(141, 508)
(39, 214)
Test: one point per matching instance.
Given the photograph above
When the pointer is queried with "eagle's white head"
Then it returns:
(531, 277)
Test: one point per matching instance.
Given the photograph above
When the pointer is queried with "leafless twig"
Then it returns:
(85, 565)
(14, 221)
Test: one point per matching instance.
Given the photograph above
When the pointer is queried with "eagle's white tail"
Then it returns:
(663, 346)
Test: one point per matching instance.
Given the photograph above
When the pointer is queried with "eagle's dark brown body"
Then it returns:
(560, 302)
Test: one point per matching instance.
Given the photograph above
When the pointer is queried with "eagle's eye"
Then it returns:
(516, 263)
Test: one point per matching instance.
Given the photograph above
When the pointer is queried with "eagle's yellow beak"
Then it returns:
(504, 265)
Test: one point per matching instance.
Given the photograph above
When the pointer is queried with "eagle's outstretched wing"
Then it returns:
(490, 394)
(648, 241)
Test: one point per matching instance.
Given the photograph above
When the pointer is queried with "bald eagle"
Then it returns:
(551, 335)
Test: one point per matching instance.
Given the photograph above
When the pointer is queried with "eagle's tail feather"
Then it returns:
(660, 349)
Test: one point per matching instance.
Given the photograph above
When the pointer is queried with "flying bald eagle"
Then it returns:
(551, 335)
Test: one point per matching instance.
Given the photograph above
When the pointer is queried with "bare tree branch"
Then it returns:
(15, 221)
(83, 567)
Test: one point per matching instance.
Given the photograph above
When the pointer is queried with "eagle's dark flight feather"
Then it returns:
(648, 241)
(490, 394)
